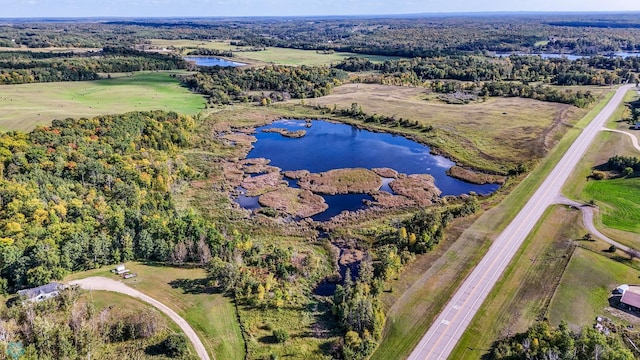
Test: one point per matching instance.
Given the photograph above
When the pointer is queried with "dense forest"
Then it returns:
(409, 37)
(20, 67)
(227, 85)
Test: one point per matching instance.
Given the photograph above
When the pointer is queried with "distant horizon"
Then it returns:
(381, 15)
(87, 9)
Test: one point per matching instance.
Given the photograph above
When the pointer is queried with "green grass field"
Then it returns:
(211, 315)
(271, 55)
(586, 286)
(28, 105)
(618, 202)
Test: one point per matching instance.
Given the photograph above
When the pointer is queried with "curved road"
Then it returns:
(445, 332)
(102, 283)
(634, 139)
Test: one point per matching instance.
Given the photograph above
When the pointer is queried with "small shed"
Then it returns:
(40, 293)
(121, 269)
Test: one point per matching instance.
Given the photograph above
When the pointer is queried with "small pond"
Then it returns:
(328, 146)
(212, 61)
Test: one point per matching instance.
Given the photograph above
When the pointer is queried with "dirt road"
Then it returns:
(102, 283)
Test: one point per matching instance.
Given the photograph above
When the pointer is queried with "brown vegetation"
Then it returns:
(420, 188)
(286, 133)
(475, 177)
(261, 184)
(342, 181)
(296, 202)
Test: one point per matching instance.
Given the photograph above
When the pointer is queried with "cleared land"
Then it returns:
(270, 55)
(210, 314)
(512, 130)
(28, 105)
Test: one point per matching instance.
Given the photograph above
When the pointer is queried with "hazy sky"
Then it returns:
(165, 8)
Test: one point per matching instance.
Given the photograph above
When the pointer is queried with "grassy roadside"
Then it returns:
(211, 315)
(619, 211)
(526, 288)
(398, 341)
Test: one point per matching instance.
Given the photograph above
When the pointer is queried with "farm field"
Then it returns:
(28, 105)
(272, 55)
(500, 130)
(211, 315)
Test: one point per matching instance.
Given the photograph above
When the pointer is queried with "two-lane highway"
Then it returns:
(445, 332)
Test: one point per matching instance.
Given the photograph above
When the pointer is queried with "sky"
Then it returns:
(202, 8)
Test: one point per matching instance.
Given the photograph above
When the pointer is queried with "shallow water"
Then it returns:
(328, 146)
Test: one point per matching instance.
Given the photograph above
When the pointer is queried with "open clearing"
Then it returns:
(270, 55)
(511, 130)
(28, 105)
(210, 314)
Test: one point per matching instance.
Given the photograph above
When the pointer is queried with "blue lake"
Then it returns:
(212, 61)
(328, 146)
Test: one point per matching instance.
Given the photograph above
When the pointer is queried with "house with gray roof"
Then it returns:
(40, 293)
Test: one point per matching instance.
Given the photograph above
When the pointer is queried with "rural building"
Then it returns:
(121, 269)
(41, 292)
(630, 297)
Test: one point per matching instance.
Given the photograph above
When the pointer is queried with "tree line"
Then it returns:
(225, 85)
(19, 67)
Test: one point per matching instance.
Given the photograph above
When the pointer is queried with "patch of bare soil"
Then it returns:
(296, 202)
(342, 181)
(261, 184)
(420, 188)
(475, 177)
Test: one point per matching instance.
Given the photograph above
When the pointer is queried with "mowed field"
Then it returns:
(270, 55)
(28, 105)
(507, 130)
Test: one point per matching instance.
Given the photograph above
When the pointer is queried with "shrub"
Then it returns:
(280, 335)
(175, 345)
(612, 248)
(598, 175)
